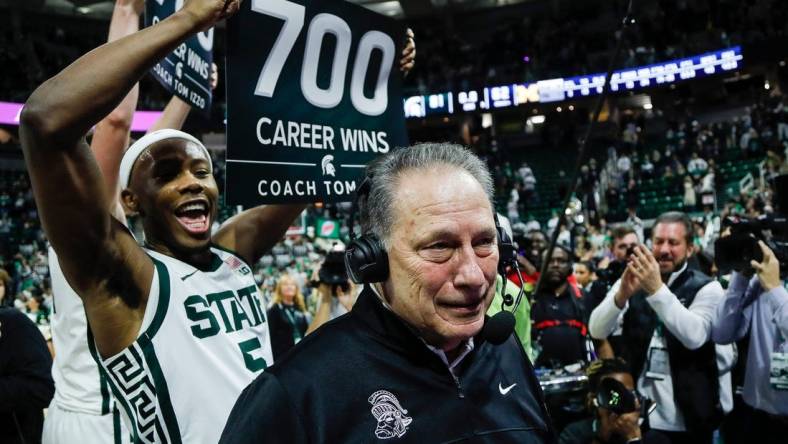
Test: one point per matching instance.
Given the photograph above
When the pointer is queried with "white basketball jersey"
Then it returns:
(79, 386)
(204, 338)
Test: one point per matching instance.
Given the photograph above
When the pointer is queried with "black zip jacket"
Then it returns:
(366, 377)
(26, 385)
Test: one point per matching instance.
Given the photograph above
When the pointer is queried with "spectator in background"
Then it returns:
(758, 306)
(26, 385)
(527, 177)
(559, 316)
(6, 290)
(288, 319)
(36, 310)
(635, 222)
(605, 426)
(697, 166)
(690, 199)
(624, 164)
(585, 274)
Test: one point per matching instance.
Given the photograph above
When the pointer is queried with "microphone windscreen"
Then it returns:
(499, 327)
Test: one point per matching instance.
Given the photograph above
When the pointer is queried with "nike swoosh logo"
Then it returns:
(505, 391)
(189, 275)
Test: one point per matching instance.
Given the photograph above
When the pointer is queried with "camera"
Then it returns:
(614, 396)
(333, 272)
(735, 252)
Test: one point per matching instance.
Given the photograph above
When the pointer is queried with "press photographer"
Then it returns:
(335, 290)
(618, 411)
(756, 303)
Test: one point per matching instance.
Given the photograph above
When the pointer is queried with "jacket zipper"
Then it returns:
(460, 393)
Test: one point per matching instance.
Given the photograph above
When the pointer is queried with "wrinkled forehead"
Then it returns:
(670, 231)
(437, 190)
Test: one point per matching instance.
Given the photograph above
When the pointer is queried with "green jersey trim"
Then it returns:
(162, 391)
(116, 433)
(115, 392)
(145, 342)
(163, 303)
(103, 389)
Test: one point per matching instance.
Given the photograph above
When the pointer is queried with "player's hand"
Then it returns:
(408, 59)
(646, 269)
(214, 76)
(768, 270)
(208, 12)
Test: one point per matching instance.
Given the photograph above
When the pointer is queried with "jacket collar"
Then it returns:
(389, 329)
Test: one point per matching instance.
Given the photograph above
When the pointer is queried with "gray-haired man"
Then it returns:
(408, 361)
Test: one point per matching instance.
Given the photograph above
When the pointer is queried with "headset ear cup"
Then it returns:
(366, 260)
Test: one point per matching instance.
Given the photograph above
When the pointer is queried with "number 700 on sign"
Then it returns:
(322, 24)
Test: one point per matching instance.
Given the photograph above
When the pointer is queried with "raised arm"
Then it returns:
(254, 231)
(111, 136)
(732, 320)
(99, 259)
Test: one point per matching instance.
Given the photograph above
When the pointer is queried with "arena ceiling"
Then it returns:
(393, 8)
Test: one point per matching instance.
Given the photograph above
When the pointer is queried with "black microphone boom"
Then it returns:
(584, 143)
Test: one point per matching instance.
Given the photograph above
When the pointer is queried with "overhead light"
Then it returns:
(647, 106)
(487, 120)
(389, 8)
(766, 85)
(537, 120)
(558, 109)
(571, 107)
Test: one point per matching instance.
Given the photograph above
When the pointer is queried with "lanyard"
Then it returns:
(292, 321)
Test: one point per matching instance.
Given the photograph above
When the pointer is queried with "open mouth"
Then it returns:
(193, 216)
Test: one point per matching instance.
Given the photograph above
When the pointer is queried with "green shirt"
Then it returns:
(522, 317)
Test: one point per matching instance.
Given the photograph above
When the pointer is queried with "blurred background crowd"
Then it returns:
(707, 147)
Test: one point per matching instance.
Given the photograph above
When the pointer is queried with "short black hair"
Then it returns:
(600, 368)
(677, 217)
(569, 253)
(589, 265)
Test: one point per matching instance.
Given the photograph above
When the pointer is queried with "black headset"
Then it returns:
(367, 262)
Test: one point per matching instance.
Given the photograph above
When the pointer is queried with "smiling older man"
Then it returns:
(408, 361)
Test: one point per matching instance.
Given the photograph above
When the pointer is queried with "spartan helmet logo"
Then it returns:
(328, 167)
(391, 417)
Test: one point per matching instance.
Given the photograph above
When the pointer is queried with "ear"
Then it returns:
(130, 203)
